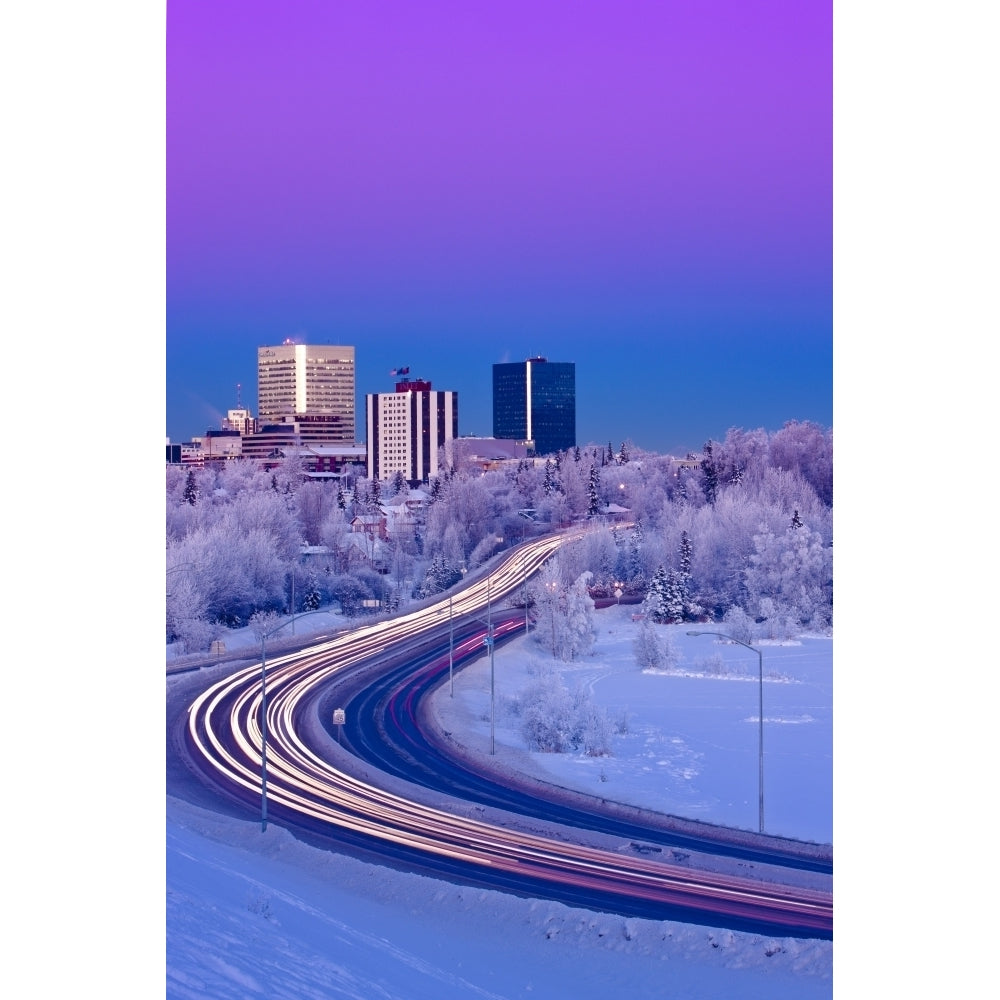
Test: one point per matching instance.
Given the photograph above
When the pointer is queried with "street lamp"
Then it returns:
(760, 712)
(263, 715)
(524, 578)
(489, 643)
(451, 643)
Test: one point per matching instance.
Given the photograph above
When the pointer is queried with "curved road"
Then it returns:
(240, 749)
(383, 727)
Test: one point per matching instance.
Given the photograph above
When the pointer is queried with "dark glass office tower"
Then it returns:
(535, 400)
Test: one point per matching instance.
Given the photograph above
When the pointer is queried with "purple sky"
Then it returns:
(644, 188)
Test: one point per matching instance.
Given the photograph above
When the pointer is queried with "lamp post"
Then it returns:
(760, 713)
(451, 643)
(489, 643)
(263, 715)
(524, 577)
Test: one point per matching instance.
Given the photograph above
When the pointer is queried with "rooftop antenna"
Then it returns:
(239, 405)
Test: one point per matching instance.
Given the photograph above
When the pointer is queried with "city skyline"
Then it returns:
(645, 192)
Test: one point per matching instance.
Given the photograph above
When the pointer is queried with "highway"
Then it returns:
(384, 669)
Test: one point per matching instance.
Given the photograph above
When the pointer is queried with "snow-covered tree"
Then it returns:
(311, 504)
(710, 475)
(794, 569)
(190, 489)
(555, 719)
(593, 502)
(806, 449)
(656, 604)
(647, 647)
(580, 628)
(739, 625)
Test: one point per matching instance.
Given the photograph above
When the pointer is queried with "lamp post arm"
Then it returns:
(760, 717)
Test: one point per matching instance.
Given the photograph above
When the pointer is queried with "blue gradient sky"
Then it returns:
(643, 188)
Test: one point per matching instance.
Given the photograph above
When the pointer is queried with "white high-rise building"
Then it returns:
(407, 428)
(307, 382)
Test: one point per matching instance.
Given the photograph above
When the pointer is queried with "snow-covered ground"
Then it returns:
(251, 913)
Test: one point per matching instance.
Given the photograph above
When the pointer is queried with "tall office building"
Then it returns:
(406, 429)
(308, 382)
(535, 400)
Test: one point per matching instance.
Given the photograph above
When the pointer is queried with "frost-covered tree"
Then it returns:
(547, 719)
(350, 593)
(593, 501)
(190, 489)
(647, 647)
(710, 475)
(311, 504)
(580, 630)
(655, 649)
(806, 449)
(262, 623)
(674, 603)
(689, 609)
(549, 607)
(656, 604)
(794, 569)
(313, 598)
(439, 576)
(740, 625)
(555, 719)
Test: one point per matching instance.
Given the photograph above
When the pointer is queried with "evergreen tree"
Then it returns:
(611, 454)
(547, 482)
(656, 603)
(689, 610)
(646, 647)
(311, 601)
(633, 561)
(341, 499)
(710, 476)
(673, 605)
(796, 520)
(190, 489)
(593, 503)
(398, 482)
(623, 455)
(576, 454)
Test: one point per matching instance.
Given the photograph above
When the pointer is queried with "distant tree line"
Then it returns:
(740, 532)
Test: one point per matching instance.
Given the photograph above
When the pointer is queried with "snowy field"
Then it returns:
(251, 913)
(690, 746)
